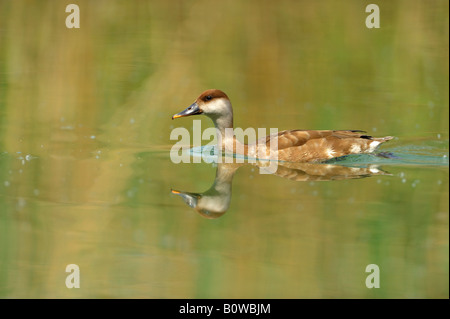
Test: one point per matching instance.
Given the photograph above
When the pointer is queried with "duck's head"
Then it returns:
(212, 103)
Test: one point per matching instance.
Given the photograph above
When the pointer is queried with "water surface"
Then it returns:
(85, 170)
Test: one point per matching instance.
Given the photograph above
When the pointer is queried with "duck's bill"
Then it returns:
(193, 109)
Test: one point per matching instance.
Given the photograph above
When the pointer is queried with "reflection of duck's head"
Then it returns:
(208, 205)
(215, 201)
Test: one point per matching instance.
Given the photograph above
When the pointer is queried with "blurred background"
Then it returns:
(85, 172)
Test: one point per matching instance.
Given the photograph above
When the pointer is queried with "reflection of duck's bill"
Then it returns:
(189, 198)
(184, 194)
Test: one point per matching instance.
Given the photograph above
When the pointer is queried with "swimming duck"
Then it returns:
(293, 145)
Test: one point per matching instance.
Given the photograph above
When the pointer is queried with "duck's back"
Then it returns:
(316, 146)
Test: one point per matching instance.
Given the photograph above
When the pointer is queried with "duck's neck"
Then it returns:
(224, 125)
(225, 135)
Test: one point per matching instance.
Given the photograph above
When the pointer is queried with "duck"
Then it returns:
(303, 146)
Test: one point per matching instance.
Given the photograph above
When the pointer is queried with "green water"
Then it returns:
(86, 176)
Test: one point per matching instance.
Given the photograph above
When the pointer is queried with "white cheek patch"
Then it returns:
(217, 106)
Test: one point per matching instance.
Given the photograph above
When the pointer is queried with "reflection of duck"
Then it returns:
(215, 201)
(293, 145)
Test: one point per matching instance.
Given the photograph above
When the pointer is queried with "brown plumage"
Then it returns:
(293, 145)
(313, 146)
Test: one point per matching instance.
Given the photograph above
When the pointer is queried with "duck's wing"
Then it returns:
(293, 138)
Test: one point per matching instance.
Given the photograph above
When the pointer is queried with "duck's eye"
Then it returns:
(209, 97)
